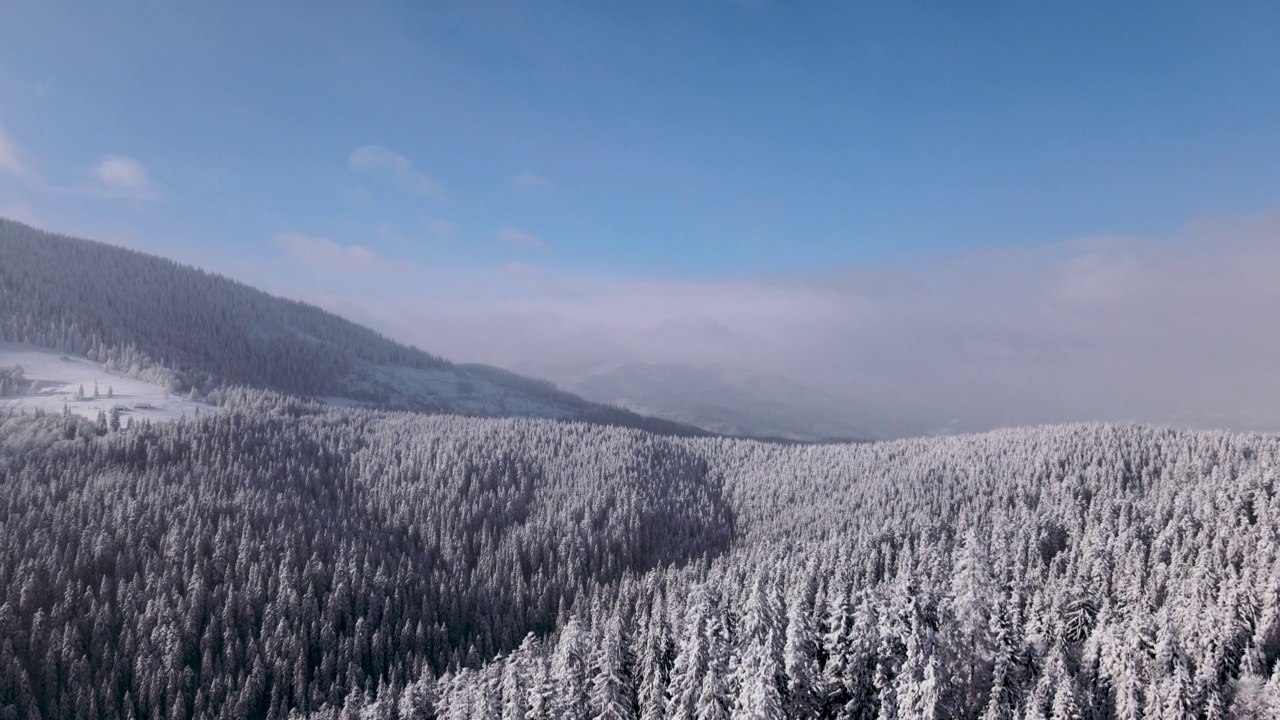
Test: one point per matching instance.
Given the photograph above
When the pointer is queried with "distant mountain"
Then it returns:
(730, 401)
(188, 330)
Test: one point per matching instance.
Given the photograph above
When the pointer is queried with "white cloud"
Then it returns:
(116, 177)
(122, 173)
(401, 168)
(328, 255)
(514, 236)
(10, 154)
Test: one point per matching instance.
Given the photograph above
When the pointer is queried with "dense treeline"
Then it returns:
(246, 564)
(1078, 572)
(279, 558)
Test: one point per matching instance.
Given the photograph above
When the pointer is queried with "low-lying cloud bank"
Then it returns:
(1180, 331)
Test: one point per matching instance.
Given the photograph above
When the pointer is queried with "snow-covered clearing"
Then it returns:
(53, 380)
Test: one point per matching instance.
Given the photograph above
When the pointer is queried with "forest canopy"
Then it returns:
(282, 558)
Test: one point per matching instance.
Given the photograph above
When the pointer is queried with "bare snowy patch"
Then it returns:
(49, 381)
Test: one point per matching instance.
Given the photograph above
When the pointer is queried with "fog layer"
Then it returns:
(1180, 331)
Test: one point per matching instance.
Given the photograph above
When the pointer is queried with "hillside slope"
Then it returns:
(186, 329)
(282, 546)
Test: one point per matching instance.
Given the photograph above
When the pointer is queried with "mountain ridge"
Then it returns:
(191, 330)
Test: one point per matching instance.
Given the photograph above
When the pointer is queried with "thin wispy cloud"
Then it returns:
(516, 237)
(376, 157)
(10, 154)
(528, 183)
(442, 228)
(325, 254)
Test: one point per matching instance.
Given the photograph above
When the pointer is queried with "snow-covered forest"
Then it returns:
(282, 558)
(289, 553)
(732, 360)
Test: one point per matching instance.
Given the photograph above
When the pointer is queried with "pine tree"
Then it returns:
(514, 696)
(569, 671)
(919, 684)
(758, 695)
(1176, 695)
(542, 689)
(691, 662)
(652, 671)
(800, 657)
(1065, 704)
(712, 702)
(612, 692)
(973, 604)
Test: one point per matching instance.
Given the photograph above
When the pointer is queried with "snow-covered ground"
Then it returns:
(53, 381)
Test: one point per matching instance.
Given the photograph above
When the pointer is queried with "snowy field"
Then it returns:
(53, 381)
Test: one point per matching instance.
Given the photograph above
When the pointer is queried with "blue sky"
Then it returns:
(680, 139)
(993, 213)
